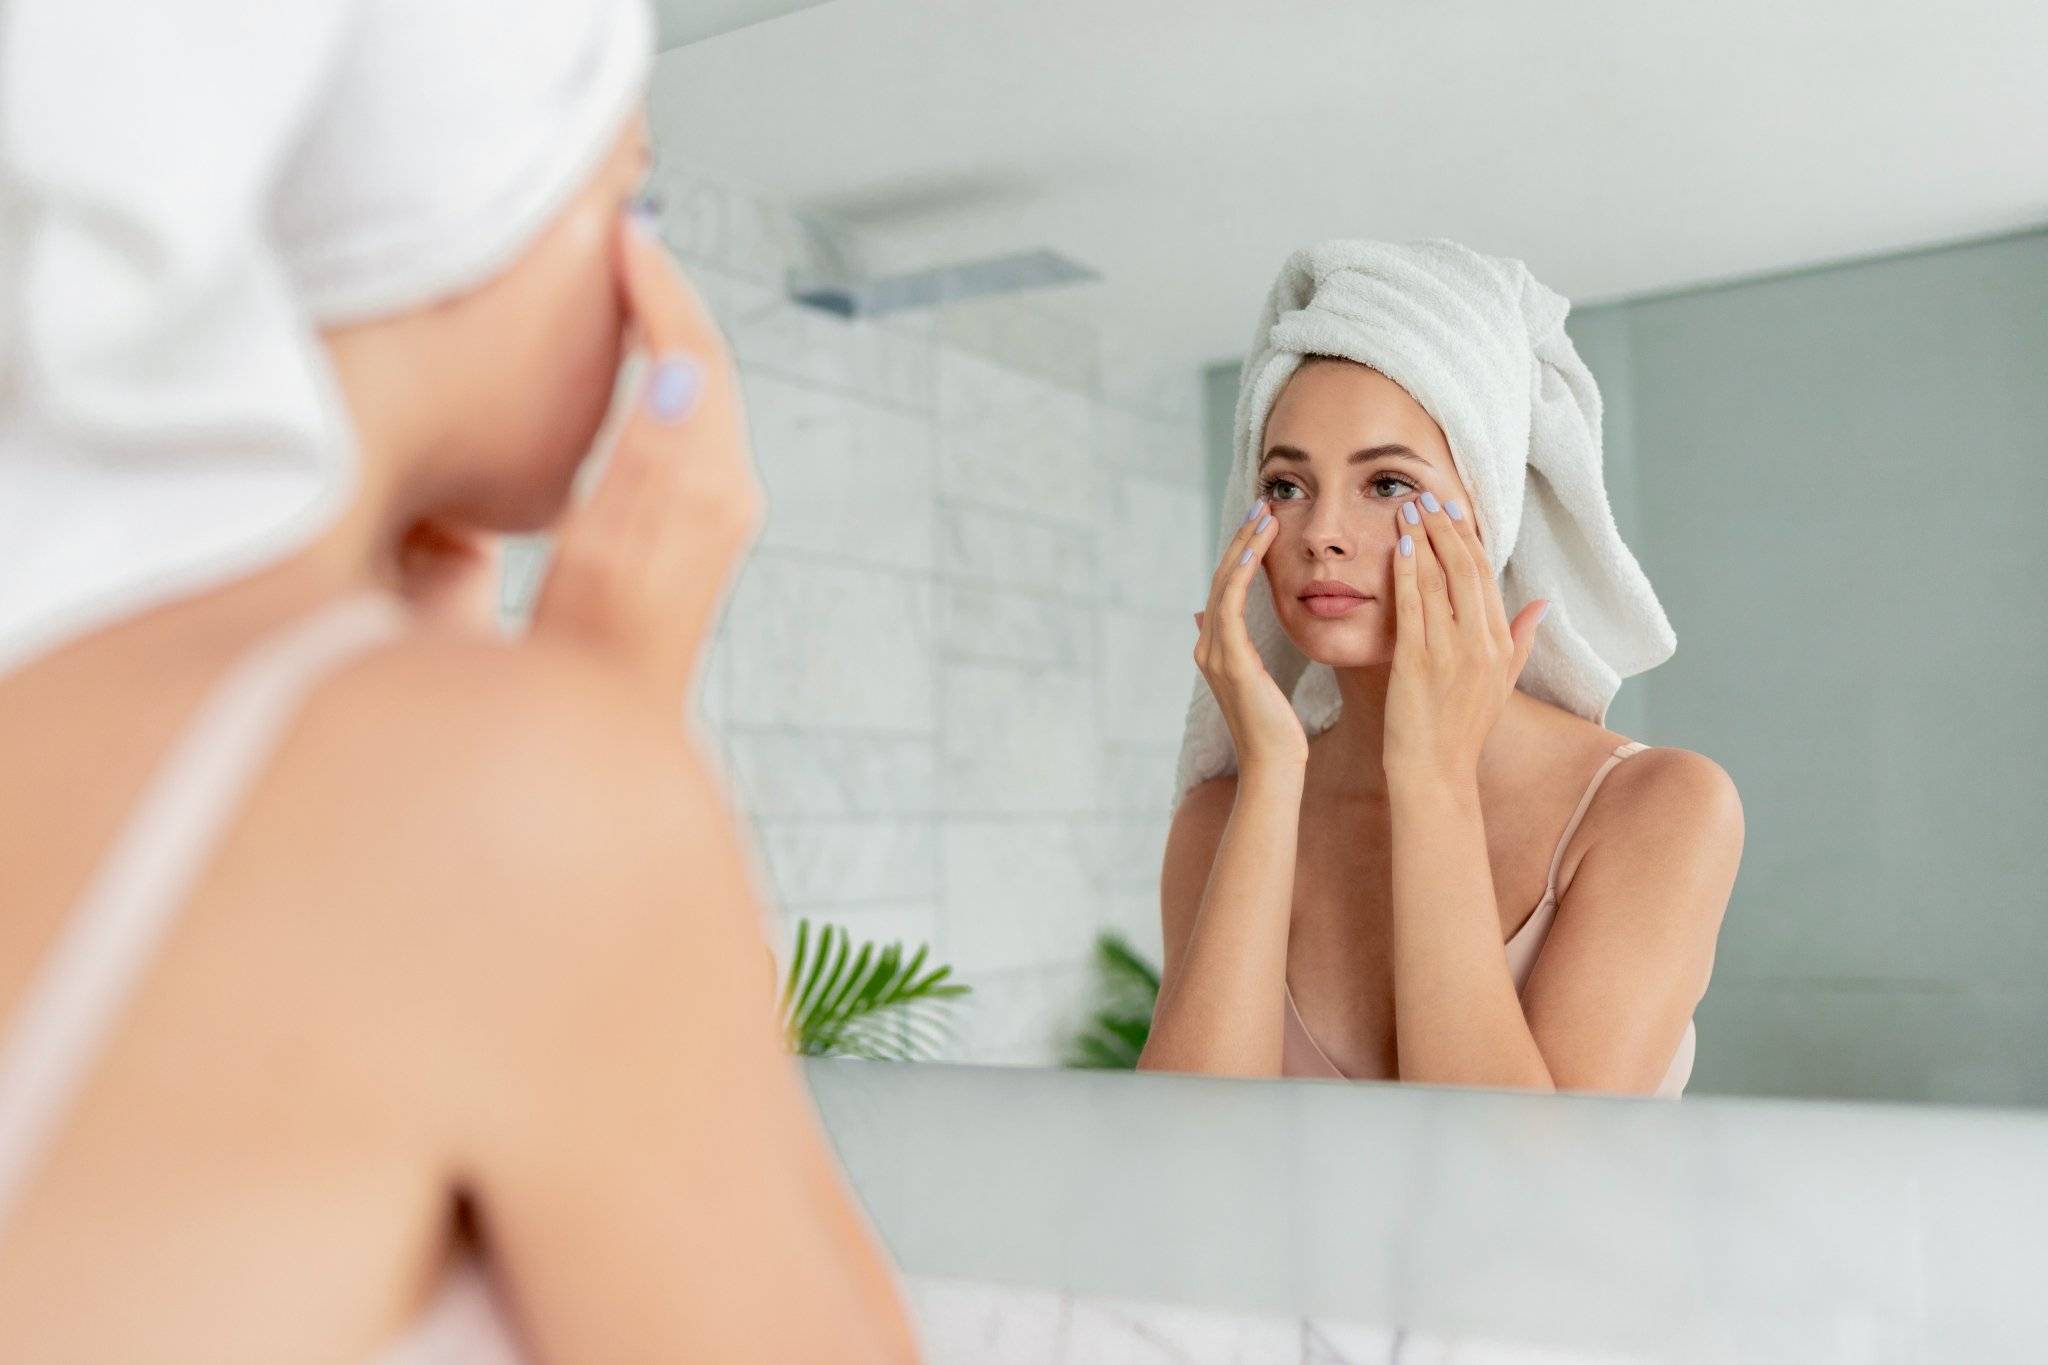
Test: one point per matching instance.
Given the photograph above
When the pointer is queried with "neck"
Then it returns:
(361, 549)
(1347, 762)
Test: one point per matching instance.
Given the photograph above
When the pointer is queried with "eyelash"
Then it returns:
(1272, 481)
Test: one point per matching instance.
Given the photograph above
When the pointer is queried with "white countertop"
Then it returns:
(1712, 1228)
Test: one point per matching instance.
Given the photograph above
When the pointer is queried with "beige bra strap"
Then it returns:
(1571, 828)
(77, 992)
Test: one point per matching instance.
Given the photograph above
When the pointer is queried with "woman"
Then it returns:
(372, 985)
(1370, 902)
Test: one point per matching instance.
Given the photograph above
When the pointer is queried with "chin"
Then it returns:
(1342, 642)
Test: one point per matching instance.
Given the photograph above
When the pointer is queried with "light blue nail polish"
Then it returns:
(1541, 614)
(678, 380)
(1408, 511)
(1262, 523)
(1429, 501)
(1245, 558)
(645, 212)
(1254, 511)
(1407, 544)
(1451, 506)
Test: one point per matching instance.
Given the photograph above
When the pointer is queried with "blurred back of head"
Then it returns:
(193, 192)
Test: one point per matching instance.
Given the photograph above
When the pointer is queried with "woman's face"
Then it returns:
(1345, 446)
(531, 358)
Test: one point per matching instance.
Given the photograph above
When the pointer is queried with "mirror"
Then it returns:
(991, 273)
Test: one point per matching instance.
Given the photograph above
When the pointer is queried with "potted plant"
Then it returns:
(872, 1002)
(1128, 988)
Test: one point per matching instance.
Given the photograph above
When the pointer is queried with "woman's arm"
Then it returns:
(1627, 960)
(1623, 966)
(1457, 1018)
(1226, 891)
(1635, 946)
(1226, 898)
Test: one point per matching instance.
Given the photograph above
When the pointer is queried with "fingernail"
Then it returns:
(1429, 501)
(645, 213)
(1541, 614)
(1451, 506)
(1408, 511)
(1245, 558)
(1262, 523)
(1249, 515)
(677, 382)
(1407, 544)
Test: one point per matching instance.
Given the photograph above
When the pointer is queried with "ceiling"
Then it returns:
(1183, 147)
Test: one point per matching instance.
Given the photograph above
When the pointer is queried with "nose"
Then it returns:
(1330, 532)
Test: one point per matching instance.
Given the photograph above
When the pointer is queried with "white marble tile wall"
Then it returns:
(949, 683)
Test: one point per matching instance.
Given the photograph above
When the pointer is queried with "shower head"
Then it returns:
(940, 284)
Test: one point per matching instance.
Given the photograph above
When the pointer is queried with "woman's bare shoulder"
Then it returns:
(1649, 787)
(474, 783)
(520, 853)
(1664, 777)
(455, 728)
(1663, 802)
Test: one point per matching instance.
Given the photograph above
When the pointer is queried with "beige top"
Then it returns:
(1301, 1055)
(75, 999)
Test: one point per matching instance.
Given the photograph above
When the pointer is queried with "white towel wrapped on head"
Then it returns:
(188, 190)
(1480, 344)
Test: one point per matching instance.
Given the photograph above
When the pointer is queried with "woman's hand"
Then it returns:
(641, 566)
(1261, 719)
(1456, 658)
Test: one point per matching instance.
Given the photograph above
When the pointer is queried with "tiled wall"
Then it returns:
(950, 680)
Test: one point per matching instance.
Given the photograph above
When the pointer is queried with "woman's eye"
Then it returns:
(1273, 488)
(1393, 479)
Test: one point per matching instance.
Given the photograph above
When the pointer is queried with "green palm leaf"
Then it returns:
(1128, 989)
(874, 1002)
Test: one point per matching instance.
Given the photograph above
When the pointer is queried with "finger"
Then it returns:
(685, 370)
(1411, 632)
(1233, 549)
(1462, 574)
(684, 434)
(663, 304)
(1236, 637)
(1489, 590)
(1468, 528)
(1524, 635)
(628, 470)
(1431, 580)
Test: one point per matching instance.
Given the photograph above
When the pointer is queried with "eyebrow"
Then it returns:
(1392, 451)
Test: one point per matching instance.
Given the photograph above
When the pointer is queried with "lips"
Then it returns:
(1329, 599)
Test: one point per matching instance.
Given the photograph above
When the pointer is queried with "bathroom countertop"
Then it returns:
(1714, 1228)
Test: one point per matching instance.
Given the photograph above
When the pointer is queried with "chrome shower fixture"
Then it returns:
(940, 284)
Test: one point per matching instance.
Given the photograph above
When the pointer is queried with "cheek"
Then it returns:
(587, 315)
(567, 337)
